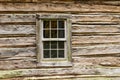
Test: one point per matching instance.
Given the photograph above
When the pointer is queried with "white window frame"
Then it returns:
(40, 39)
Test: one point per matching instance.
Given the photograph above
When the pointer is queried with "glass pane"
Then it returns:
(61, 24)
(54, 24)
(46, 34)
(61, 34)
(46, 45)
(53, 33)
(54, 45)
(61, 54)
(46, 54)
(61, 45)
(53, 53)
(46, 24)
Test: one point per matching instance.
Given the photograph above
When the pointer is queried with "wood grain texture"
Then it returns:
(88, 70)
(17, 29)
(102, 61)
(17, 63)
(95, 17)
(17, 18)
(58, 7)
(95, 40)
(96, 28)
(97, 49)
(11, 52)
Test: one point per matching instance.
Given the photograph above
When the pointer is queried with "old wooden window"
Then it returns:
(53, 37)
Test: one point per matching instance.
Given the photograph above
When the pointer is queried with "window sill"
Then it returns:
(54, 64)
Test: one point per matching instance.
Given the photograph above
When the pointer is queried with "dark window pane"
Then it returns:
(46, 45)
(46, 34)
(61, 24)
(61, 45)
(61, 34)
(61, 54)
(46, 54)
(53, 33)
(54, 24)
(53, 53)
(46, 24)
(54, 45)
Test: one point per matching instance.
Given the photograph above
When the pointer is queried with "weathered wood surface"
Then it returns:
(17, 40)
(96, 28)
(17, 18)
(11, 52)
(97, 50)
(70, 78)
(23, 60)
(95, 18)
(88, 70)
(17, 29)
(103, 61)
(95, 40)
(67, 78)
(65, 7)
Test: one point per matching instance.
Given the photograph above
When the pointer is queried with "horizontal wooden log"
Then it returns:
(80, 77)
(99, 18)
(17, 29)
(97, 23)
(17, 42)
(95, 33)
(17, 45)
(57, 7)
(88, 70)
(17, 23)
(12, 52)
(96, 28)
(19, 63)
(16, 35)
(81, 40)
(103, 61)
(33, 1)
(61, 12)
(97, 50)
(17, 18)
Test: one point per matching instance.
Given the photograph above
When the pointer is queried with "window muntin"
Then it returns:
(63, 24)
(53, 49)
(54, 28)
(54, 39)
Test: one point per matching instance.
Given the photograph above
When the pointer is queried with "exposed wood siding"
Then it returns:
(95, 40)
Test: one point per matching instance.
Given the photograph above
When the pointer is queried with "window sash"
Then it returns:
(65, 55)
(54, 39)
(65, 32)
(39, 35)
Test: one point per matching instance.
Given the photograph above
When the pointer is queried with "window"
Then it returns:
(53, 37)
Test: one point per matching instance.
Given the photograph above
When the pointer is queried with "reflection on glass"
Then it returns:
(46, 54)
(61, 44)
(61, 54)
(54, 24)
(53, 53)
(53, 33)
(61, 24)
(46, 34)
(53, 29)
(61, 34)
(46, 45)
(46, 24)
(53, 44)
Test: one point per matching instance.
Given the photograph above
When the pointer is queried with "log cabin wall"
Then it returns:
(95, 39)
